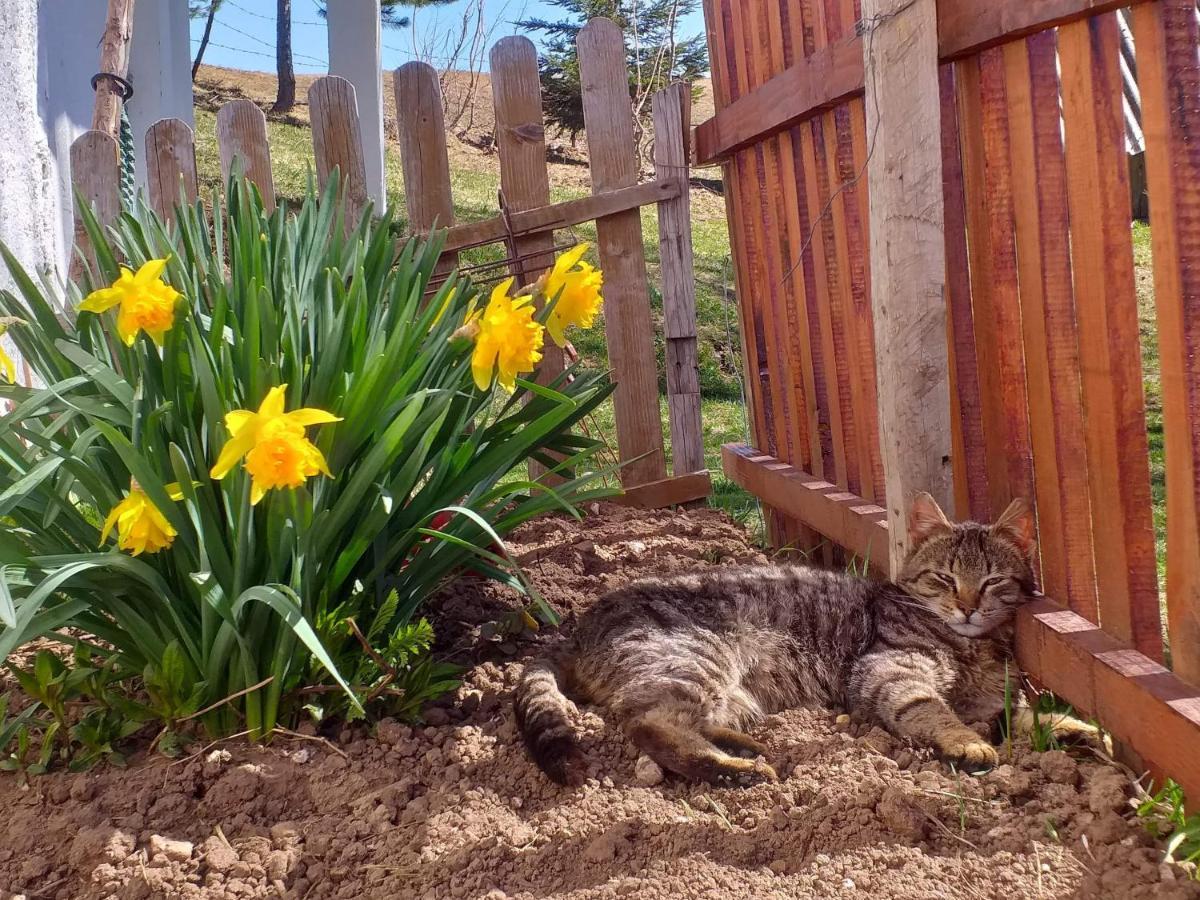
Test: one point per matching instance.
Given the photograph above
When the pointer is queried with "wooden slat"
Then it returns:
(1002, 285)
(968, 26)
(170, 166)
(979, 251)
(421, 133)
(564, 214)
(1031, 317)
(630, 329)
(242, 135)
(845, 518)
(970, 466)
(337, 142)
(1169, 78)
(814, 83)
(668, 492)
(908, 263)
(670, 110)
(1110, 353)
(95, 175)
(524, 177)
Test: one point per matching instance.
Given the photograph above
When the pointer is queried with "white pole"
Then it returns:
(355, 54)
(160, 68)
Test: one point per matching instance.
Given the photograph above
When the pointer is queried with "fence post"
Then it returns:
(170, 166)
(908, 255)
(355, 49)
(672, 114)
(421, 132)
(95, 175)
(242, 134)
(337, 142)
(608, 119)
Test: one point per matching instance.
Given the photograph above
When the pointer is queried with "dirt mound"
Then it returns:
(455, 810)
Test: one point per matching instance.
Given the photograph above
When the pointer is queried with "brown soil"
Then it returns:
(454, 809)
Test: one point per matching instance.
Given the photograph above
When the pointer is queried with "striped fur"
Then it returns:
(686, 663)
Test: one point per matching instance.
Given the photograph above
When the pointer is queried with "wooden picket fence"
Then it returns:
(937, 291)
(526, 222)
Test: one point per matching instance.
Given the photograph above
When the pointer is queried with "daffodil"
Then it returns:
(577, 285)
(147, 303)
(507, 339)
(272, 441)
(7, 366)
(141, 526)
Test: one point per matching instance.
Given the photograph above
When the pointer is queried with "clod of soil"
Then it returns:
(457, 811)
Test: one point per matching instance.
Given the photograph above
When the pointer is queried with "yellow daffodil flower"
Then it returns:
(277, 452)
(147, 303)
(507, 339)
(141, 527)
(577, 285)
(7, 366)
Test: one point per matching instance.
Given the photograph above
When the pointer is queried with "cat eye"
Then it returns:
(942, 579)
(994, 581)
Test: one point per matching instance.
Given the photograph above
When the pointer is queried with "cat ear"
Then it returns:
(925, 519)
(1018, 525)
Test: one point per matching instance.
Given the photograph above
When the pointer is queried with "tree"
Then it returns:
(209, 11)
(285, 94)
(656, 54)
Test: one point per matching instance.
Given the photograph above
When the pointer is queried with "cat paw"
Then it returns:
(746, 772)
(970, 752)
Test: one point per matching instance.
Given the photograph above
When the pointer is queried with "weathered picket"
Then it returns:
(998, 287)
(526, 222)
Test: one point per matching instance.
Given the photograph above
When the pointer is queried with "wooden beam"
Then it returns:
(908, 257)
(844, 518)
(562, 215)
(968, 26)
(668, 491)
(835, 74)
(114, 60)
(1141, 703)
(816, 82)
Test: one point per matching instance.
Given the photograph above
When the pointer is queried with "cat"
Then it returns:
(686, 663)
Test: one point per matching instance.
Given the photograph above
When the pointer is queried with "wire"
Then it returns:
(241, 50)
(259, 15)
(269, 44)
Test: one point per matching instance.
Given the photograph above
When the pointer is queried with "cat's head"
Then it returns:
(972, 576)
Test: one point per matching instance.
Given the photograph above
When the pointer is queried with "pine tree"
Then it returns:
(656, 54)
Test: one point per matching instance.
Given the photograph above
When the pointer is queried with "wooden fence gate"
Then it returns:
(931, 231)
(526, 222)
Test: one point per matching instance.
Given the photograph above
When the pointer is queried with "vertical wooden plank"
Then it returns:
(1110, 353)
(242, 135)
(609, 121)
(114, 58)
(908, 264)
(95, 174)
(425, 163)
(1005, 301)
(1169, 77)
(1012, 64)
(670, 109)
(170, 166)
(1061, 331)
(979, 252)
(524, 179)
(970, 464)
(337, 142)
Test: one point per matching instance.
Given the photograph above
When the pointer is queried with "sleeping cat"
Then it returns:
(687, 662)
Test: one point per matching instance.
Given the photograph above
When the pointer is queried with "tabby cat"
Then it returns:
(687, 662)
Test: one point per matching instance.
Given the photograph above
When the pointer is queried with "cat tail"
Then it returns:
(543, 718)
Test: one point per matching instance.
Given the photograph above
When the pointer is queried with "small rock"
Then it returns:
(220, 858)
(647, 772)
(903, 759)
(1058, 767)
(1107, 791)
(471, 701)
(436, 716)
(637, 548)
(778, 866)
(176, 851)
(34, 868)
(842, 722)
(848, 884)
(1108, 828)
(586, 546)
(83, 789)
(901, 815)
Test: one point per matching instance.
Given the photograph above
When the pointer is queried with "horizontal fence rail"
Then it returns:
(1027, 185)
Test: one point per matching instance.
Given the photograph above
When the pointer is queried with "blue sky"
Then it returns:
(243, 36)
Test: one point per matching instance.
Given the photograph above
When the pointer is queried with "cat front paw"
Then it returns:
(969, 750)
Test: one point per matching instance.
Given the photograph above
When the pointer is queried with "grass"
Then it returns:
(475, 183)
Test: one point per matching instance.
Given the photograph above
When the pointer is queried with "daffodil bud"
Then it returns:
(464, 336)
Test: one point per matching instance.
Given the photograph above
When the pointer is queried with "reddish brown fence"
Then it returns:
(978, 310)
(525, 225)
